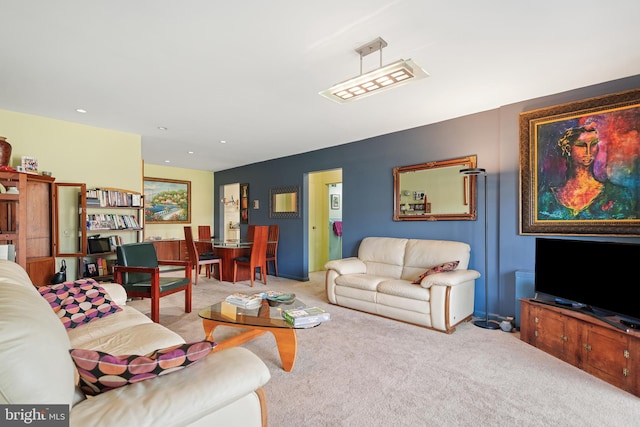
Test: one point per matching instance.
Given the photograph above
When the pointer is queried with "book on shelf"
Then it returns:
(93, 201)
(101, 264)
(112, 222)
(136, 200)
(306, 316)
(114, 241)
(243, 300)
(105, 197)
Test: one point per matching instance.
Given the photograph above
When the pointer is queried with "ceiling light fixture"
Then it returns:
(377, 80)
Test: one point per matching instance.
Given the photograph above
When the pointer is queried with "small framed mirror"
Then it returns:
(435, 191)
(284, 202)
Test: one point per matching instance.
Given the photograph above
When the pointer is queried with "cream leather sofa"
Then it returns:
(223, 389)
(379, 280)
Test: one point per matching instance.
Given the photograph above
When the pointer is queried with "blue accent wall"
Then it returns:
(367, 178)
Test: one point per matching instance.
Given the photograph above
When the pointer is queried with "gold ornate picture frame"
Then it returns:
(167, 201)
(580, 167)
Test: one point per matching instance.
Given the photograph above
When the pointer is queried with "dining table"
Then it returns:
(227, 250)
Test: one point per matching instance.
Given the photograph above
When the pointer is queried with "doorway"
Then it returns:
(335, 220)
(325, 218)
(231, 212)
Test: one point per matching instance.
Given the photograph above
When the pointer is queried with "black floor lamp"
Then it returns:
(486, 323)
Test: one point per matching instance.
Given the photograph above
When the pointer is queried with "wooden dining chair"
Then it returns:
(250, 231)
(272, 247)
(204, 233)
(199, 259)
(257, 258)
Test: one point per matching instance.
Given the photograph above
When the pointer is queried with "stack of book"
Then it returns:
(306, 316)
(111, 197)
(243, 300)
(112, 222)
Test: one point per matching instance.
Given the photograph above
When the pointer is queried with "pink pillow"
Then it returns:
(100, 372)
(447, 266)
(79, 302)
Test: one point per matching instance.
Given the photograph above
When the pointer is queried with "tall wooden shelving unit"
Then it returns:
(73, 223)
(26, 221)
(114, 202)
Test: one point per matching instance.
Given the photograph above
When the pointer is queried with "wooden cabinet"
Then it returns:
(26, 222)
(170, 250)
(584, 341)
(551, 332)
(606, 355)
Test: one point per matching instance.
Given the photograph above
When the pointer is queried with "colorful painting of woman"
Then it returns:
(575, 185)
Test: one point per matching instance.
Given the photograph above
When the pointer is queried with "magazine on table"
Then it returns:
(243, 300)
(306, 316)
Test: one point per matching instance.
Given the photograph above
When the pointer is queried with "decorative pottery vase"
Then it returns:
(5, 151)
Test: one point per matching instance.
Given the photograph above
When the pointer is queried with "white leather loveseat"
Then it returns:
(224, 388)
(380, 281)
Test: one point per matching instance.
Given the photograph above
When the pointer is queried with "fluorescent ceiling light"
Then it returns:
(375, 81)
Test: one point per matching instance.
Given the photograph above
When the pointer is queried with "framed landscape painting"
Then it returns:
(167, 201)
(580, 167)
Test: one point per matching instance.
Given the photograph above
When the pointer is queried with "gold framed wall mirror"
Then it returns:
(284, 202)
(435, 191)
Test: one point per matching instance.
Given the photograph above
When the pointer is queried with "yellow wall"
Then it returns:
(101, 158)
(74, 152)
(201, 200)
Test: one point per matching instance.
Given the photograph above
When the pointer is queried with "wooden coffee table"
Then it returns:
(257, 322)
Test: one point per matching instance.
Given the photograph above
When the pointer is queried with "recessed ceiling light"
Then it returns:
(222, 141)
(162, 128)
(81, 110)
(190, 152)
(167, 161)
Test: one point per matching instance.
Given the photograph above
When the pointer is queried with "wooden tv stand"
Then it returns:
(586, 342)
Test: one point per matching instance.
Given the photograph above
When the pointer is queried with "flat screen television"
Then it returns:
(98, 245)
(598, 278)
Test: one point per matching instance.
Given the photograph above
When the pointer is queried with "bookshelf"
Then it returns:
(112, 216)
(91, 223)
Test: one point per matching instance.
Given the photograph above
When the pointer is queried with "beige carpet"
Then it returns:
(364, 370)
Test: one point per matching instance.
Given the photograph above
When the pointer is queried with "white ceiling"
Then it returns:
(249, 71)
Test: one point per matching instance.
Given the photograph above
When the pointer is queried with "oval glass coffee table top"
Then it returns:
(265, 315)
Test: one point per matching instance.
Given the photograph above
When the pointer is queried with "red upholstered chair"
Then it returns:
(199, 259)
(258, 257)
(272, 247)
